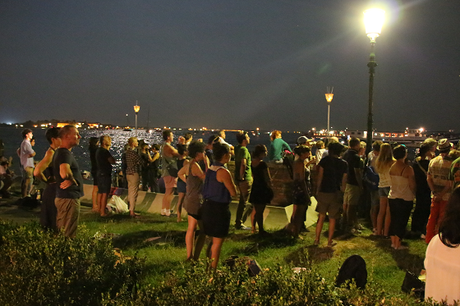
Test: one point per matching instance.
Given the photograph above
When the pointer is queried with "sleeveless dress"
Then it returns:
(165, 161)
(192, 201)
(48, 211)
(215, 211)
(261, 192)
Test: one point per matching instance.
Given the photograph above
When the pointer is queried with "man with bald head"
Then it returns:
(69, 182)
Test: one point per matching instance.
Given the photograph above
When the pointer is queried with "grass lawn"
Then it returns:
(386, 267)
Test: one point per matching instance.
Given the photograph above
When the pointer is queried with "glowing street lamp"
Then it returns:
(373, 21)
(136, 111)
(329, 96)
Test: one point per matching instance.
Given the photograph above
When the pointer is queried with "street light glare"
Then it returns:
(373, 21)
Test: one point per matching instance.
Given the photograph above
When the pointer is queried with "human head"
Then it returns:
(212, 139)
(376, 145)
(444, 146)
(93, 143)
(52, 133)
(222, 134)
(4, 163)
(69, 136)
(425, 149)
(220, 151)
(354, 143)
(195, 148)
(182, 149)
(155, 147)
(242, 136)
(299, 150)
(400, 152)
(167, 135)
(27, 133)
(188, 137)
(106, 140)
(132, 142)
(275, 134)
(260, 151)
(320, 144)
(431, 143)
(335, 148)
(449, 229)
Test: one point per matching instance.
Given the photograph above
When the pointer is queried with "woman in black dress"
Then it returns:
(261, 193)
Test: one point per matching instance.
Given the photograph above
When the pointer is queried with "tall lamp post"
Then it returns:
(136, 110)
(373, 21)
(329, 96)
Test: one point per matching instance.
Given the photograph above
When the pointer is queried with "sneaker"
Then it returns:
(246, 228)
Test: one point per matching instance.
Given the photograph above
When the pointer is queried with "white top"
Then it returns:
(320, 154)
(384, 178)
(442, 266)
(400, 189)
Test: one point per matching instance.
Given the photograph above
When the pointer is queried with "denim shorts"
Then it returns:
(384, 191)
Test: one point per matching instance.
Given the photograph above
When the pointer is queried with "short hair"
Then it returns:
(212, 139)
(241, 136)
(181, 149)
(52, 133)
(131, 140)
(221, 132)
(430, 142)
(362, 144)
(424, 148)
(335, 148)
(64, 131)
(299, 150)
(376, 145)
(166, 134)
(219, 150)
(188, 136)
(156, 146)
(196, 147)
(353, 142)
(259, 150)
(319, 144)
(93, 142)
(399, 151)
(275, 134)
(25, 132)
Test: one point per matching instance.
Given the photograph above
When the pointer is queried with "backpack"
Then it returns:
(371, 178)
(353, 268)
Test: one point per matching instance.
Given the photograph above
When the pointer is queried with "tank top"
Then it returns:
(213, 189)
(49, 172)
(192, 201)
(400, 189)
(165, 161)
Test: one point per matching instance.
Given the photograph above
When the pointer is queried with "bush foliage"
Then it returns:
(43, 268)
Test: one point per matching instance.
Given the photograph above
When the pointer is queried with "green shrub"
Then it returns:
(42, 268)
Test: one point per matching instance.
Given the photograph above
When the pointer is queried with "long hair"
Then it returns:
(385, 158)
(449, 230)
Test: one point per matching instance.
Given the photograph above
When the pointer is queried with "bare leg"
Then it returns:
(95, 197)
(199, 243)
(386, 229)
(166, 204)
(319, 227)
(215, 251)
(381, 215)
(102, 199)
(374, 213)
(190, 236)
(180, 201)
(253, 221)
(331, 230)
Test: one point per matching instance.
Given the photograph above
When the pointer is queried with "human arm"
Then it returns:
(223, 176)
(170, 151)
(359, 176)
(66, 174)
(344, 182)
(182, 174)
(156, 156)
(285, 145)
(196, 171)
(319, 179)
(243, 168)
(411, 177)
(43, 164)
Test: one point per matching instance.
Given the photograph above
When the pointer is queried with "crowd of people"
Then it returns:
(337, 176)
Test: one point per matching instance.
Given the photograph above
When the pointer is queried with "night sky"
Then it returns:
(229, 63)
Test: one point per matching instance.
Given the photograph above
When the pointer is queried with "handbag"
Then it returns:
(173, 171)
